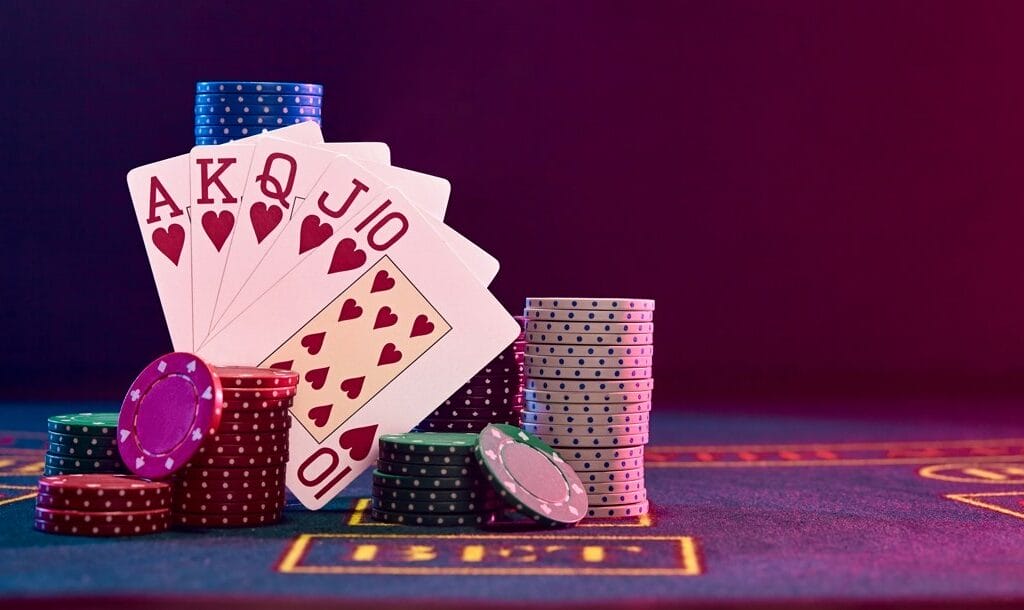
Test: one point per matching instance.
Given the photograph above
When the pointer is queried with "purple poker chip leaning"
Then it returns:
(172, 406)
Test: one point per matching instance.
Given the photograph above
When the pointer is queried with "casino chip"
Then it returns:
(531, 476)
(167, 413)
(84, 424)
(430, 506)
(269, 120)
(586, 402)
(588, 304)
(621, 510)
(438, 520)
(591, 385)
(223, 431)
(588, 315)
(229, 110)
(429, 443)
(492, 395)
(255, 109)
(264, 87)
(588, 362)
(82, 443)
(430, 479)
(587, 398)
(216, 520)
(587, 392)
(433, 495)
(254, 377)
(568, 419)
(225, 131)
(553, 326)
(101, 505)
(585, 428)
(593, 339)
(275, 99)
(462, 425)
(537, 349)
(606, 465)
(593, 373)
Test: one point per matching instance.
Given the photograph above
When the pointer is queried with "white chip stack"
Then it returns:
(587, 392)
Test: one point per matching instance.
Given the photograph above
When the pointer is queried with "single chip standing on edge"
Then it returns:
(172, 406)
(529, 475)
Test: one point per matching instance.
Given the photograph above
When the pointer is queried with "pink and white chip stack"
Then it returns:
(587, 392)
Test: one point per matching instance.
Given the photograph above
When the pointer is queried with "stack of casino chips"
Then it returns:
(493, 395)
(230, 110)
(102, 505)
(82, 443)
(237, 477)
(588, 392)
(430, 478)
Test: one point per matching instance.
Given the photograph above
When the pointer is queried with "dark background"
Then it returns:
(824, 197)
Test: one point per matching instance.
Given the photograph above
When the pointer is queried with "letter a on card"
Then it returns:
(160, 193)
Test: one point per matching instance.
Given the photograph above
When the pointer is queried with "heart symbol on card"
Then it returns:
(317, 377)
(313, 233)
(358, 441)
(382, 281)
(170, 241)
(352, 387)
(350, 310)
(218, 227)
(313, 342)
(421, 326)
(264, 219)
(320, 415)
(385, 318)
(346, 256)
(284, 365)
(389, 355)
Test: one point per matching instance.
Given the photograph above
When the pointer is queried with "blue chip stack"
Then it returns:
(231, 110)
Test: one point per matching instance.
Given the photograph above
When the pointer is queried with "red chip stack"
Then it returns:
(101, 505)
(237, 477)
(493, 395)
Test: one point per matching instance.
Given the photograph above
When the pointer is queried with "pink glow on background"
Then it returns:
(824, 198)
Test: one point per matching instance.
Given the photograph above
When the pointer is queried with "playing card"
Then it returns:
(423, 190)
(217, 177)
(390, 323)
(281, 173)
(160, 193)
(371, 152)
(344, 188)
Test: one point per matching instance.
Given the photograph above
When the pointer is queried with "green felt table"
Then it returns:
(751, 508)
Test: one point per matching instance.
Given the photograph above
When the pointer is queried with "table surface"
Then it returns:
(748, 510)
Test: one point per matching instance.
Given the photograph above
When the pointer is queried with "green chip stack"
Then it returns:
(83, 443)
(432, 479)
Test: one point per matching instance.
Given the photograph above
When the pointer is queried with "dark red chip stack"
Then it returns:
(237, 478)
(101, 505)
(493, 395)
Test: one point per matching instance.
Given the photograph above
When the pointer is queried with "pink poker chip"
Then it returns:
(172, 406)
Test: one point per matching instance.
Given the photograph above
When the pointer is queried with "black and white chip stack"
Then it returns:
(492, 396)
(429, 478)
(587, 392)
(82, 443)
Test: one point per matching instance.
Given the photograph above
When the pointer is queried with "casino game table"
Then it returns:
(753, 506)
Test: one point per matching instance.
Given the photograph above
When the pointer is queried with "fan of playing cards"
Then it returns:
(285, 251)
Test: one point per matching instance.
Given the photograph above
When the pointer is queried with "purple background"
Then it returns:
(824, 197)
